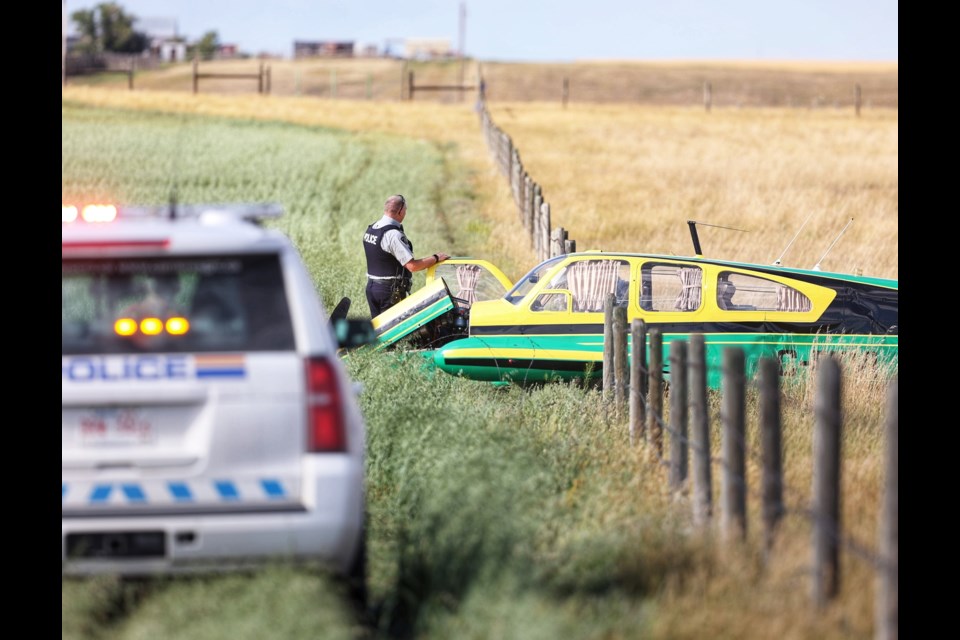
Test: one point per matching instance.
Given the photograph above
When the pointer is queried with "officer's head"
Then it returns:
(395, 206)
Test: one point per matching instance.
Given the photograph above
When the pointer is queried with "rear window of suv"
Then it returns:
(174, 304)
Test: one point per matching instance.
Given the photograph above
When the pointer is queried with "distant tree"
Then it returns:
(88, 29)
(205, 47)
(107, 27)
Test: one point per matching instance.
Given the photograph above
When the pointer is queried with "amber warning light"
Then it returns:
(175, 326)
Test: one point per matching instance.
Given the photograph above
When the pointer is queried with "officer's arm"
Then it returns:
(419, 264)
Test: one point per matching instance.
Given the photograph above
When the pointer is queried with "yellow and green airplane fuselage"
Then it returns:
(550, 325)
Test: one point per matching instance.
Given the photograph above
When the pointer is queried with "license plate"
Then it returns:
(115, 427)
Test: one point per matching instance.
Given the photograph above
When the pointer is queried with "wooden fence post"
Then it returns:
(516, 179)
(707, 96)
(535, 232)
(856, 99)
(410, 85)
(608, 372)
(527, 203)
(700, 433)
(556, 241)
(544, 243)
(734, 485)
(620, 369)
(826, 483)
(570, 246)
(566, 92)
(260, 79)
(678, 415)
(655, 402)
(196, 75)
(771, 454)
(638, 380)
(887, 604)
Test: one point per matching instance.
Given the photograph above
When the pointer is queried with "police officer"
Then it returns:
(390, 261)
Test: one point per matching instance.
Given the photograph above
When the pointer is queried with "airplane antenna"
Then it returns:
(173, 203)
(787, 248)
(696, 237)
(816, 267)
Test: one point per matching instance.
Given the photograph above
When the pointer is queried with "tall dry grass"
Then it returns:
(628, 178)
(731, 83)
(740, 591)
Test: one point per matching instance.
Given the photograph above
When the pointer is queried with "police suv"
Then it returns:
(208, 422)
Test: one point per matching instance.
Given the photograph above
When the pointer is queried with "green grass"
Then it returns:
(494, 512)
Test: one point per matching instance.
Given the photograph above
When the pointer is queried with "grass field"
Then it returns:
(624, 176)
(510, 513)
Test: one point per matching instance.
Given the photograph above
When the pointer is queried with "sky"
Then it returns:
(546, 30)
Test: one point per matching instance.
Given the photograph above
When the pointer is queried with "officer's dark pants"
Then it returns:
(379, 293)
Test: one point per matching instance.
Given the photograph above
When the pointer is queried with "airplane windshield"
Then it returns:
(527, 282)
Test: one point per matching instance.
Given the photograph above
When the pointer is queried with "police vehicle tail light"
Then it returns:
(325, 429)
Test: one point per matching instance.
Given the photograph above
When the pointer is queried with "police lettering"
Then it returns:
(370, 238)
(114, 369)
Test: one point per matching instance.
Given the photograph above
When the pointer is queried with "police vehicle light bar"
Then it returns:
(95, 213)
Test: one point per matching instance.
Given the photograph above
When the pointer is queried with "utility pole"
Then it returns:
(463, 28)
(63, 52)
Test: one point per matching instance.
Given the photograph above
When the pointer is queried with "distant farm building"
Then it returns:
(323, 49)
(427, 48)
(227, 52)
(165, 43)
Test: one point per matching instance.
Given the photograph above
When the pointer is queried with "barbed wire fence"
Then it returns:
(636, 388)
(532, 208)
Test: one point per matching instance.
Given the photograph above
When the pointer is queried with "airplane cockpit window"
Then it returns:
(670, 287)
(526, 284)
(742, 292)
(588, 282)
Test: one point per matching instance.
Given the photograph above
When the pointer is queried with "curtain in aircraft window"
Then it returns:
(743, 292)
(789, 299)
(691, 280)
(467, 276)
(670, 287)
(591, 280)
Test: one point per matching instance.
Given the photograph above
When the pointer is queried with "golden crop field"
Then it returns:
(618, 173)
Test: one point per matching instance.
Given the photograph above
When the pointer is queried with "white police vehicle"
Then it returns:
(208, 422)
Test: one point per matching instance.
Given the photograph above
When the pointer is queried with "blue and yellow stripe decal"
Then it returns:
(79, 498)
(220, 366)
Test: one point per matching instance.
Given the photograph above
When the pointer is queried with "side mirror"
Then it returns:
(353, 332)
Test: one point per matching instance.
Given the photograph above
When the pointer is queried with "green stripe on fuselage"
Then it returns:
(546, 357)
